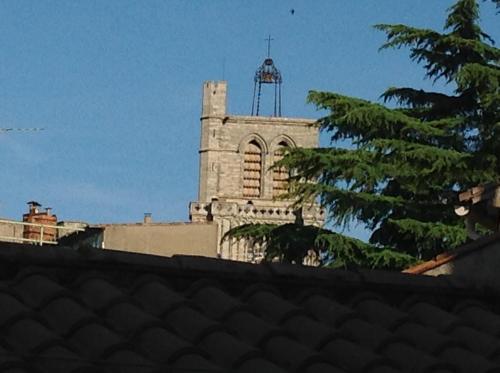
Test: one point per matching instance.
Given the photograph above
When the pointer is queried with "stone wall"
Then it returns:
(224, 141)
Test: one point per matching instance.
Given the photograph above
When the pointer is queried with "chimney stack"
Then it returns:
(35, 216)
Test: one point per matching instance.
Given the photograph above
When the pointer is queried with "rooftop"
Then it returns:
(105, 311)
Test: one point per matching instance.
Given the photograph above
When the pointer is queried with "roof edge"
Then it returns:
(448, 256)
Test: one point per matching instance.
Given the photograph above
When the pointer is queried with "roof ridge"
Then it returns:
(187, 266)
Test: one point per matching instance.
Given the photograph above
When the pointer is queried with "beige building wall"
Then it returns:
(477, 264)
(165, 239)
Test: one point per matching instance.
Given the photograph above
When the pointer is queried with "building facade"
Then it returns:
(236, 182)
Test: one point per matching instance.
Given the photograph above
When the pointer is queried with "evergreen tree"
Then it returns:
(406, 165)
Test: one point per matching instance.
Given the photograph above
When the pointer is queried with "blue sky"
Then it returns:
(117, 86)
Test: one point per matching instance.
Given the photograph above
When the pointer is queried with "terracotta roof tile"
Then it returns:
(103, 311)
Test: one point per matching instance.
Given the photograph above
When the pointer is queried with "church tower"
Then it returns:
(236, 185)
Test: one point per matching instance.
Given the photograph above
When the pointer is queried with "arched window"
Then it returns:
(252, 170)
(280, 174)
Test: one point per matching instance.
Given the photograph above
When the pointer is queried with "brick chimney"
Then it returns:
(35, 216)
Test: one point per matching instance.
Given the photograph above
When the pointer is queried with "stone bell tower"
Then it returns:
(236, 185)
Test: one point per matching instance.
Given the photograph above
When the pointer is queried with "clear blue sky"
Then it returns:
(117, 86)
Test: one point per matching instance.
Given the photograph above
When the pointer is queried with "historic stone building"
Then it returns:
(236, 184)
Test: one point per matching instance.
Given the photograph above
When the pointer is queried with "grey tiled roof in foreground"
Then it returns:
(104, 311)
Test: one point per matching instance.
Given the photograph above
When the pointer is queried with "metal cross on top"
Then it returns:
(269, 45)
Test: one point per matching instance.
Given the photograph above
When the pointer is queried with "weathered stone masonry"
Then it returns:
(236, 185)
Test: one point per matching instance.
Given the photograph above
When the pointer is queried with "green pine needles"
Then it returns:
(407, 164)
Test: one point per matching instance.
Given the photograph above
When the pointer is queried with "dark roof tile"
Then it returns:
(10, 360)
(411, 359)
(319, 367)
(225, 268)
(157, 298)
(481, 318)
(190, 323)
(289, 354)
(369, 335)
(37, 289)
(354, 358)
(137, 313)
(216, 303)
(378, 312)
(434, 317)
(65, 314)
(128, 318)
(272, 306)
(250, 327)
(195, 363)
(425, 339)
(260, 365)
(95, 340)
(59, 359)
(98, 293)
(468, 362)
(128, 361)
(28, 335)
(476, 341)
(227, 350)
(11, 308)
(309, 331)
(162, 345)
(327, 310)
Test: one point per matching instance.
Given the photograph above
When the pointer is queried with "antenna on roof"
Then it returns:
(21, 129)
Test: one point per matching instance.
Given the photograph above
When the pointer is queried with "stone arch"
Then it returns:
(282, 139)
(253, 137)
